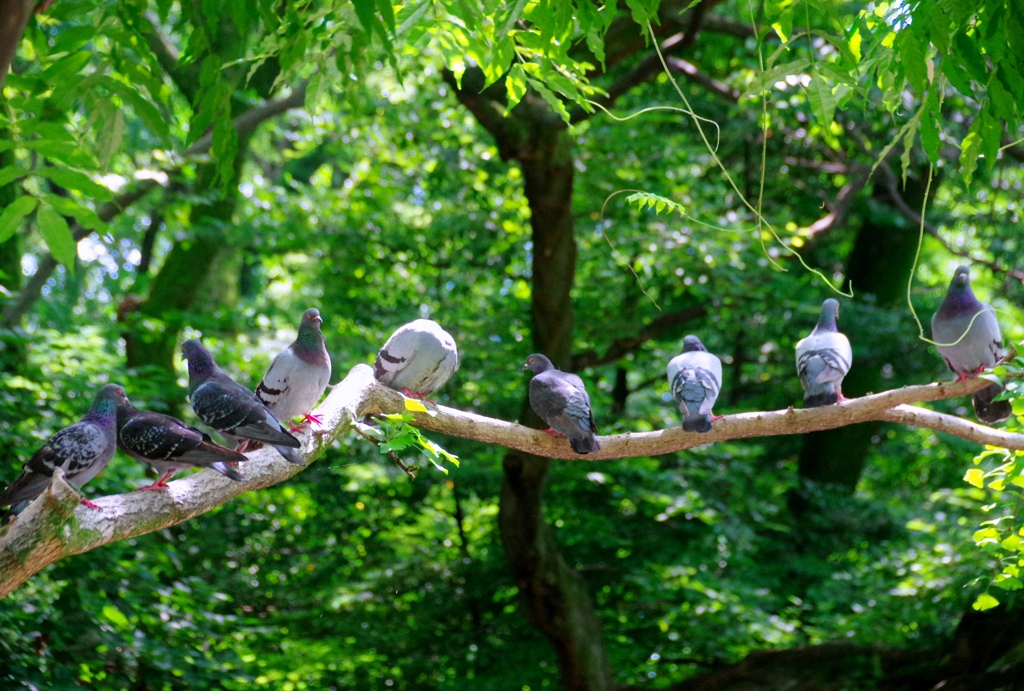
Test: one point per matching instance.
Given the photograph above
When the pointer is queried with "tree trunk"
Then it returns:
(11, 351)
(554, 594)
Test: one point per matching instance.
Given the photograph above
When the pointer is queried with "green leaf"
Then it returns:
(66, 206)
(984, 602)
(57, 235)
(976, 477)
(115, 617)
(108, 141)
(366, 10)
(911, 56)
(970, 149)
(74, 180)
(971, 57)
(13, 213)
(515, 86)
(553, 101)
(10, 174)
(821, 99)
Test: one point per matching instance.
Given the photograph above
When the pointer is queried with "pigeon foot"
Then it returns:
(716, 418)
(417, 394)
(553, 432)
(313, 419)
(90, 504)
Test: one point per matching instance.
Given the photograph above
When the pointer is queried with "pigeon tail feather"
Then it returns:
(817, 400)
(586, 444)
(988, 410)
(29, 486)
(227, 471)
(700, 423)
(290, 455)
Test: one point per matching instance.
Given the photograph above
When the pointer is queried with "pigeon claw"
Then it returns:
(553, 432)
(155, 487)
(292, 427)
(91, 505)
(313, 419)
(716, 418)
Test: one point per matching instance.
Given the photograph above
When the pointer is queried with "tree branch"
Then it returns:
(892, 187)
(41, 535)
(621, 347)
(245, 124)
(14, 16)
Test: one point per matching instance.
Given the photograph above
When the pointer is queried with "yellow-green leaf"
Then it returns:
(984, 602)
(415, 406)
(976, 477)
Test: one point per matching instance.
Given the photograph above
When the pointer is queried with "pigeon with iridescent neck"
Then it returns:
(967, 335)
(169, 445)
(298, 375)
(695, 376)
(823, 359)
(81, 450)
(230, 408)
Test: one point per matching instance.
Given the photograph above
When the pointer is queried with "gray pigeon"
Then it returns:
(560, 399)
(230, 408)
(169, 445)
(418, 359)
(696, 378)
(80, 450)
(298, 375)
(823, 359)
(968, 348)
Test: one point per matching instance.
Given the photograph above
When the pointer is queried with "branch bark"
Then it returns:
(14, 16)
(44, 533)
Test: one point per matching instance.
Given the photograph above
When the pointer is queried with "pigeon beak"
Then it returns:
(525, 367)
(318, 320)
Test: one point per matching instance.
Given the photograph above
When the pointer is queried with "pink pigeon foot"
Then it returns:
(313, 419)
(292, 427)
(716, 418)
(160, 485)
(90, 504)
(553, 432)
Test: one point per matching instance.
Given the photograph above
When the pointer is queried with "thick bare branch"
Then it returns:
(14, 16)
(42, 534)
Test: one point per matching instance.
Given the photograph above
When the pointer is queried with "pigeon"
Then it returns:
(695, 376)
(967, 346)
(230, 408)
(561, 401)
(80, 450)
(823, 359)
(298, 375)
(418, 359)
(169, 445)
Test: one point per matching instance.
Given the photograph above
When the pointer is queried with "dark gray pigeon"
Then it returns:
(561, 401)
(823, 359)
(169, 445)
(80, 450)
(968, 348)
(298, 375)
(230, 408)
(695, 376)
(418, 359)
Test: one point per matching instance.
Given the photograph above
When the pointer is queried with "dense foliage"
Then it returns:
(407, 160)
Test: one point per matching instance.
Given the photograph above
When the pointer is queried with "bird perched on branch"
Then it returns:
(81, 450)
(418, 359)
(169, 445)
(823, 359)
(695, 376)
(561, 400)
(230, 408)
(298, 375)
(966, 332)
